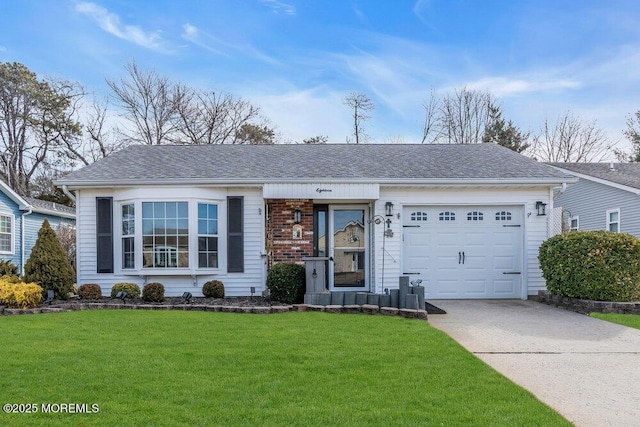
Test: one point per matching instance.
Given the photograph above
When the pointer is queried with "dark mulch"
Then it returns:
(231, 301)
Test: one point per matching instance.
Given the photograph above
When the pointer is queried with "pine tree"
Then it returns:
(504, 133)
(48, 265)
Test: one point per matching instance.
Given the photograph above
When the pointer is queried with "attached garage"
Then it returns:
(464, 252)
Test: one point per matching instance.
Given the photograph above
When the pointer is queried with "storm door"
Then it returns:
(348, 248)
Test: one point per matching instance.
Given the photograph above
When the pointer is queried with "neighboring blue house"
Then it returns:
(606, 197)
(21, 219)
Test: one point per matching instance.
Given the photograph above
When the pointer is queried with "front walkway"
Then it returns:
(586, 369)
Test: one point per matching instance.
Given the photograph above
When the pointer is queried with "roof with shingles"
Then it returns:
(51, 207)
(340, 162)
(627, 174)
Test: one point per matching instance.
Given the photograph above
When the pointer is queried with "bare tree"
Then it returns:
(148, 102)
(457, 118)
(632, 133)
(570, 140)
(66, 234)
(360, 103)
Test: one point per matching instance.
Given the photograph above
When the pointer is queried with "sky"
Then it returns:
(297, 60)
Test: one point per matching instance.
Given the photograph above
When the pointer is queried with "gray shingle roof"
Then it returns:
(340, 162)
(623, 173)
(55, 208)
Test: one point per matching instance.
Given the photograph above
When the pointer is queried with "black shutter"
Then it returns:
(104, 241)
(235, 234)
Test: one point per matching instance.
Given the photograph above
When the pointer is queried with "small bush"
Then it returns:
(7, 268)
(20, 295)
(213, 289)
(153, 292)
(595, 265)
(286, 282)
(90, 291)
(132, 290)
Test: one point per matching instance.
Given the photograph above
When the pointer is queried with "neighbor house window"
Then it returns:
(6, 234)
(574, 223)
(128, 233)
(207, 235)
(165, 234)
(613, 220)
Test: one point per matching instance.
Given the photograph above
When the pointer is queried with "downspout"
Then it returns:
(562, 190)
(68, 193)
(23, 239)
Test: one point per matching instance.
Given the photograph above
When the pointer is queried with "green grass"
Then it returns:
(630, 320)
(203, 368)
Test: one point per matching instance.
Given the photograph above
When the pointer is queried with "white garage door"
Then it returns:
(464, 252)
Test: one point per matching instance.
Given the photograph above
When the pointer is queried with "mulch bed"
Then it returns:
(231, 301)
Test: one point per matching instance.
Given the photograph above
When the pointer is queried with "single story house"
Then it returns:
(20, 220)
(606, 197)
(466, 219)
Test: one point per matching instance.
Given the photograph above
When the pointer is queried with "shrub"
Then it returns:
(48, 265)
(20, 295)
(595, 265)
(213, 289)
(90, 291)
(132, 290)
(286, 282)
(7, 268)
(153, 292)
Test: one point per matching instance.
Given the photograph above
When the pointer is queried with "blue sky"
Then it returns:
(298, 59)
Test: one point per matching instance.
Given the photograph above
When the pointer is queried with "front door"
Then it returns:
(348, 248)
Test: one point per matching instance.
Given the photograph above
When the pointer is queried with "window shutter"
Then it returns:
(235, 234)
(104, 241)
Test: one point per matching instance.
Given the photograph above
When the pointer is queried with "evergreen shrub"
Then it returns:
(286, 282)
(132, 290)
(153, 292)
(48, 265)
(594, 265)
(213, 289)
(90, 291)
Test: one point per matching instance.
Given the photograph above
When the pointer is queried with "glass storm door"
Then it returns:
(348, 249)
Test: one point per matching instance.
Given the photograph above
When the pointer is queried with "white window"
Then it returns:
(418, 216)
(447, 216)
(207, 235)
(165, 234)
(613, 220)
(128, 236)
(6, 234)
(475, 216)
(503, 216)
(574, 223)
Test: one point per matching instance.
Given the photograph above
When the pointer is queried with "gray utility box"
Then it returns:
(316, 274)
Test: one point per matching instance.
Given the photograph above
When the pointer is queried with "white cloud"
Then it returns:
(505, 86)
(110, 22)
(279, 7)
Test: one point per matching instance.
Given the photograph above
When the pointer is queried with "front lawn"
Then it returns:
(630, 320)
(203, 368)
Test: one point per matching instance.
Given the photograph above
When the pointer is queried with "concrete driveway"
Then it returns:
(586, 369)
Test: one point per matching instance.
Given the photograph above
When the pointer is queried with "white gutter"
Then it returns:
(23, 240)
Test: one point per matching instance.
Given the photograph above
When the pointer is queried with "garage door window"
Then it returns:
(447, 216)
(418, 216)
(503, 216)
(475, 216)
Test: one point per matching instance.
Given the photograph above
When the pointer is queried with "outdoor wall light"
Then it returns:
(541, 208)
(388, 207)
(252, 289)
(297, 216)
(123, 296)
(187, 297)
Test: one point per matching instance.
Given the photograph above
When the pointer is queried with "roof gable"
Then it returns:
(301, 162)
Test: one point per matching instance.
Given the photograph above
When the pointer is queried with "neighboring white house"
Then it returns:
(466, 219)
(606, 197)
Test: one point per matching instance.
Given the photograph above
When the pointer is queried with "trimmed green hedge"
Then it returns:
(595, 265)
(286, 282)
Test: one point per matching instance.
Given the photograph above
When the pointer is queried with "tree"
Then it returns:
(501, 132)
(632, 133)
(318, 139)
(360, 103)
(570, 140)
(457, 118)
(48, 265)
(255, 134)
(36, 124)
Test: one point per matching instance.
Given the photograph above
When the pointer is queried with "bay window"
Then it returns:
(128, 236)
(165, 234)
(207, 235)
